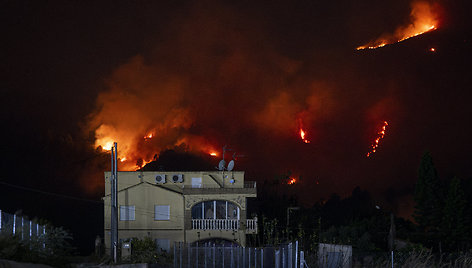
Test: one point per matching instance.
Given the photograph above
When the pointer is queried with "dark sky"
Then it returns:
(203, 74)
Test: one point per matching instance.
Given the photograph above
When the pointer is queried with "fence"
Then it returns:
(212, 256)
(20, 226)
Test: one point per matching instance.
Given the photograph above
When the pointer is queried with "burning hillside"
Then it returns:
(423, 19)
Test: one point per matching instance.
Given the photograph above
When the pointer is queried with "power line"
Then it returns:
(50, 193)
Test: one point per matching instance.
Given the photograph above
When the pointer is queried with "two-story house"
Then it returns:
(181, 206)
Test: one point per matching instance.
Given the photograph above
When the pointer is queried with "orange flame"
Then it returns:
(380, 136)
(292, 181)
(303, 135)
(149, 136)
(213, 154)
(424, 19)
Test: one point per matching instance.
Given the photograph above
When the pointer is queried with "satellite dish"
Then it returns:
(221, 165)
(231, 165)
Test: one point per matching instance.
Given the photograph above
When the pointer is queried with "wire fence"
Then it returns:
(12, 224)
(210, 255)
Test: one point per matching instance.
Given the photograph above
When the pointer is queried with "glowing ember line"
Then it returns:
(384, 43)
(380, 136)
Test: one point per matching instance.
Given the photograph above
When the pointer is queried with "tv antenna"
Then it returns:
(222, 164)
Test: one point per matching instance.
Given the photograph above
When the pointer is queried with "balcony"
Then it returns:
(222, 224)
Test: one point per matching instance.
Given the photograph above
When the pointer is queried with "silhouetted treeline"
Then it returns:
(442, 216)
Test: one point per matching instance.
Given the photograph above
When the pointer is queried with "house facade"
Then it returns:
(181, 207)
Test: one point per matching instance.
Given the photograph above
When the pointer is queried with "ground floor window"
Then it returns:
(163, 245)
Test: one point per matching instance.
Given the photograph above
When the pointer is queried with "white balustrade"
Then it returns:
(221, 224)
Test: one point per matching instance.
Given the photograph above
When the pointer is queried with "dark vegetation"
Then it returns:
(442, 218)
(53, 249)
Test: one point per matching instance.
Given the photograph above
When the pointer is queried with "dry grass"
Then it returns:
(425, 259)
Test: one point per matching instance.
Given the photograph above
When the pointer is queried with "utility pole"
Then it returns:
(114, 202)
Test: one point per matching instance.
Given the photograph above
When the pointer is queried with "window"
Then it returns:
(197, 212)
(196, 182)
(163, 245)
(208, 210)
(162, 213)
(215, 209)
(127, 213)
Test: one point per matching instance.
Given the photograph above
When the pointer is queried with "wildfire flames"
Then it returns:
(423, 20)
(302, 132)
(302, 135)
(380, 136)
(292, 181)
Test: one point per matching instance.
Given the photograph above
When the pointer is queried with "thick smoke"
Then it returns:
(214, 79)
(218, 78)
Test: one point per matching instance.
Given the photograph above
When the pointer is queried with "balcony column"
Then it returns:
(242, 220)
(188, 219)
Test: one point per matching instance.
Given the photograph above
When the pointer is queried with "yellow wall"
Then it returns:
(140, 189)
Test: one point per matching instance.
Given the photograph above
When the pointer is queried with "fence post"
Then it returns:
(262, 257)
(205, 258)
(22, 228)
(249, 258)
(255, 257)
(283, 257)
(277, 258)
(289, 255)
(180, 254)
(175, 255)
(14, 224)
(223, 257)
(302, 259)
(296, 254)
(244, 257)
(44, 236)
(189, 254)
(214, 255)
(0, 220)
(31, 231)
(232, 257)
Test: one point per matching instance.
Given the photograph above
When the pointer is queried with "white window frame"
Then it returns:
(214, 209)
(127, 213)
(160, 216)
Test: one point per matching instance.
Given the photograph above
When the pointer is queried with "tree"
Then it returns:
(428, 196)
(454, 221)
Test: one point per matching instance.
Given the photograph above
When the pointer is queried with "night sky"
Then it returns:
(199, 75)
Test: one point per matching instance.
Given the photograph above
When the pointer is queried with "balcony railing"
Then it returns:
(222, 224)
(249, 184)
(251, 224)
(215, 224)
